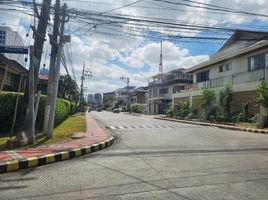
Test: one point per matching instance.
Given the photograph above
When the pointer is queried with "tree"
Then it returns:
(208, 102)
(263, 94)
(225, 100)
(68, 88)
(108, 102)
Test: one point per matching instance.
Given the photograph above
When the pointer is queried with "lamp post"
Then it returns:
(126, 79)
(148, 80)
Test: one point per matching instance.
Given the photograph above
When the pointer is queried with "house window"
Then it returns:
(202, 76)
(8, 79)
(163, 90)
(2, 37)
(258, 62)
(225, 67)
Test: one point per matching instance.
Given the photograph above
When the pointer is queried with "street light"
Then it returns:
(126, 79)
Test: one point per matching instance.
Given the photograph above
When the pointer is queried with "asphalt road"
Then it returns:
(153, 159)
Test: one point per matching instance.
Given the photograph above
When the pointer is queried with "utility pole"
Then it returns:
(25, 129)
(127, 81)
(84, 74)
(160, 70)
(53, 54)
(56, 74)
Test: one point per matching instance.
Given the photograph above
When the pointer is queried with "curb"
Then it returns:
(26, 163)
(216, 125)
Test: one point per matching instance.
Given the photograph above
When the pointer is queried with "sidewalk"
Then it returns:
(94, 139)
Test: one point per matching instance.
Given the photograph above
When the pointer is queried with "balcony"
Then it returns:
(238, 78)
(178, 78)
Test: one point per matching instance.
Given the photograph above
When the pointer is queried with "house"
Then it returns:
(163, 86)
(140, 96)
(122, 93)
(242, 61)
(108, 94)
(12, 75)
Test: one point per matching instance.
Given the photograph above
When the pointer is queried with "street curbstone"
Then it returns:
(229, 127)
(30, 162)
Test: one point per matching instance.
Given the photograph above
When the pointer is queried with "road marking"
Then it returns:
(120, 127)
(112, 127)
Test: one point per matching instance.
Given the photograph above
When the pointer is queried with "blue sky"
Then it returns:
(109, 57)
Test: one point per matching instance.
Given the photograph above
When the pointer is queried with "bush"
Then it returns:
(182, 110)
(135, 107)
(208, 102)
(170, 110)
(243, 116)
(7, 107)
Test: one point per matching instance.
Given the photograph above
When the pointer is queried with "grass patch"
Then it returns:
(62, 133)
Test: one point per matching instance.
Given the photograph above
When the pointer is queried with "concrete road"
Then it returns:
(153, 159)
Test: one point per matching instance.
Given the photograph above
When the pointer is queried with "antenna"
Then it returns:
(160, 70)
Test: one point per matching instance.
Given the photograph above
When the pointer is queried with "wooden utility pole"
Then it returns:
(56, 74)
(25, 129)
(53, 55)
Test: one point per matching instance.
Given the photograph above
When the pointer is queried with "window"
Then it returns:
(258, 62)
(225, 67)
(163, 90)
(202, 76)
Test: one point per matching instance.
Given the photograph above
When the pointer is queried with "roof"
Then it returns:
(180, 70)
(14, 66)
(241, 42)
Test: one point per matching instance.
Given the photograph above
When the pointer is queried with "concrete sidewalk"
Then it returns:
(94, 139)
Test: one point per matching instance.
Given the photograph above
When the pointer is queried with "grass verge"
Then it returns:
(62, 133)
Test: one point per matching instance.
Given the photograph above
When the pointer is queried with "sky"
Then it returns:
(124, 50)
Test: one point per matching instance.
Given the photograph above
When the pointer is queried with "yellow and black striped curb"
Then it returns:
(13, 165)
(229, 127)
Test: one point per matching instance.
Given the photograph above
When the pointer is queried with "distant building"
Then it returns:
(109, 94)
(98, 98)
(90, 99)
(163, 86)
(9, 37)
(140, 96)
(122, 93)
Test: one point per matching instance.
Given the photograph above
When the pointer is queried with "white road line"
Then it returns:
(112, 127)
(120, 127)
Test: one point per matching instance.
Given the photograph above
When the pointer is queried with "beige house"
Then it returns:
(242, 61)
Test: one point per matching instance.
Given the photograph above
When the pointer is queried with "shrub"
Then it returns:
(182, 110)
(208, 102)
(137, 108)
(263, 94)
(243, 116)
(7, 106)
(170, 110)
(225, 100)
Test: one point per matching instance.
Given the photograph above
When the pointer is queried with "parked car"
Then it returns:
(99, 109)
(116, 110)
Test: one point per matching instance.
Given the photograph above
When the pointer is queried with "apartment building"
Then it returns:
(122, 93)
(242, 61)
(163, 86)
(8, 37)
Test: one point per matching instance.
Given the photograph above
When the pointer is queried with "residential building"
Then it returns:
(11, 74)
(109, 94)
(122, 93)
(140, 96)
(242, 61)
(8, 37)
(42, 80)
(98, 98)
(163, 86)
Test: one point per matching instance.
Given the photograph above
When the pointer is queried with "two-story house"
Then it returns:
(242, 61)
(163, 86)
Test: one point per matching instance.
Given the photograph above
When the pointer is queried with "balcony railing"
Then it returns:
(238, 78)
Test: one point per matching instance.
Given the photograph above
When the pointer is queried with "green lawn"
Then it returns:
(62, 133)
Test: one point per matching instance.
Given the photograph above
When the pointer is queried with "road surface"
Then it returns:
(153, 159)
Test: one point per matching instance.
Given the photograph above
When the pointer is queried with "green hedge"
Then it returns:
(7, 106)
